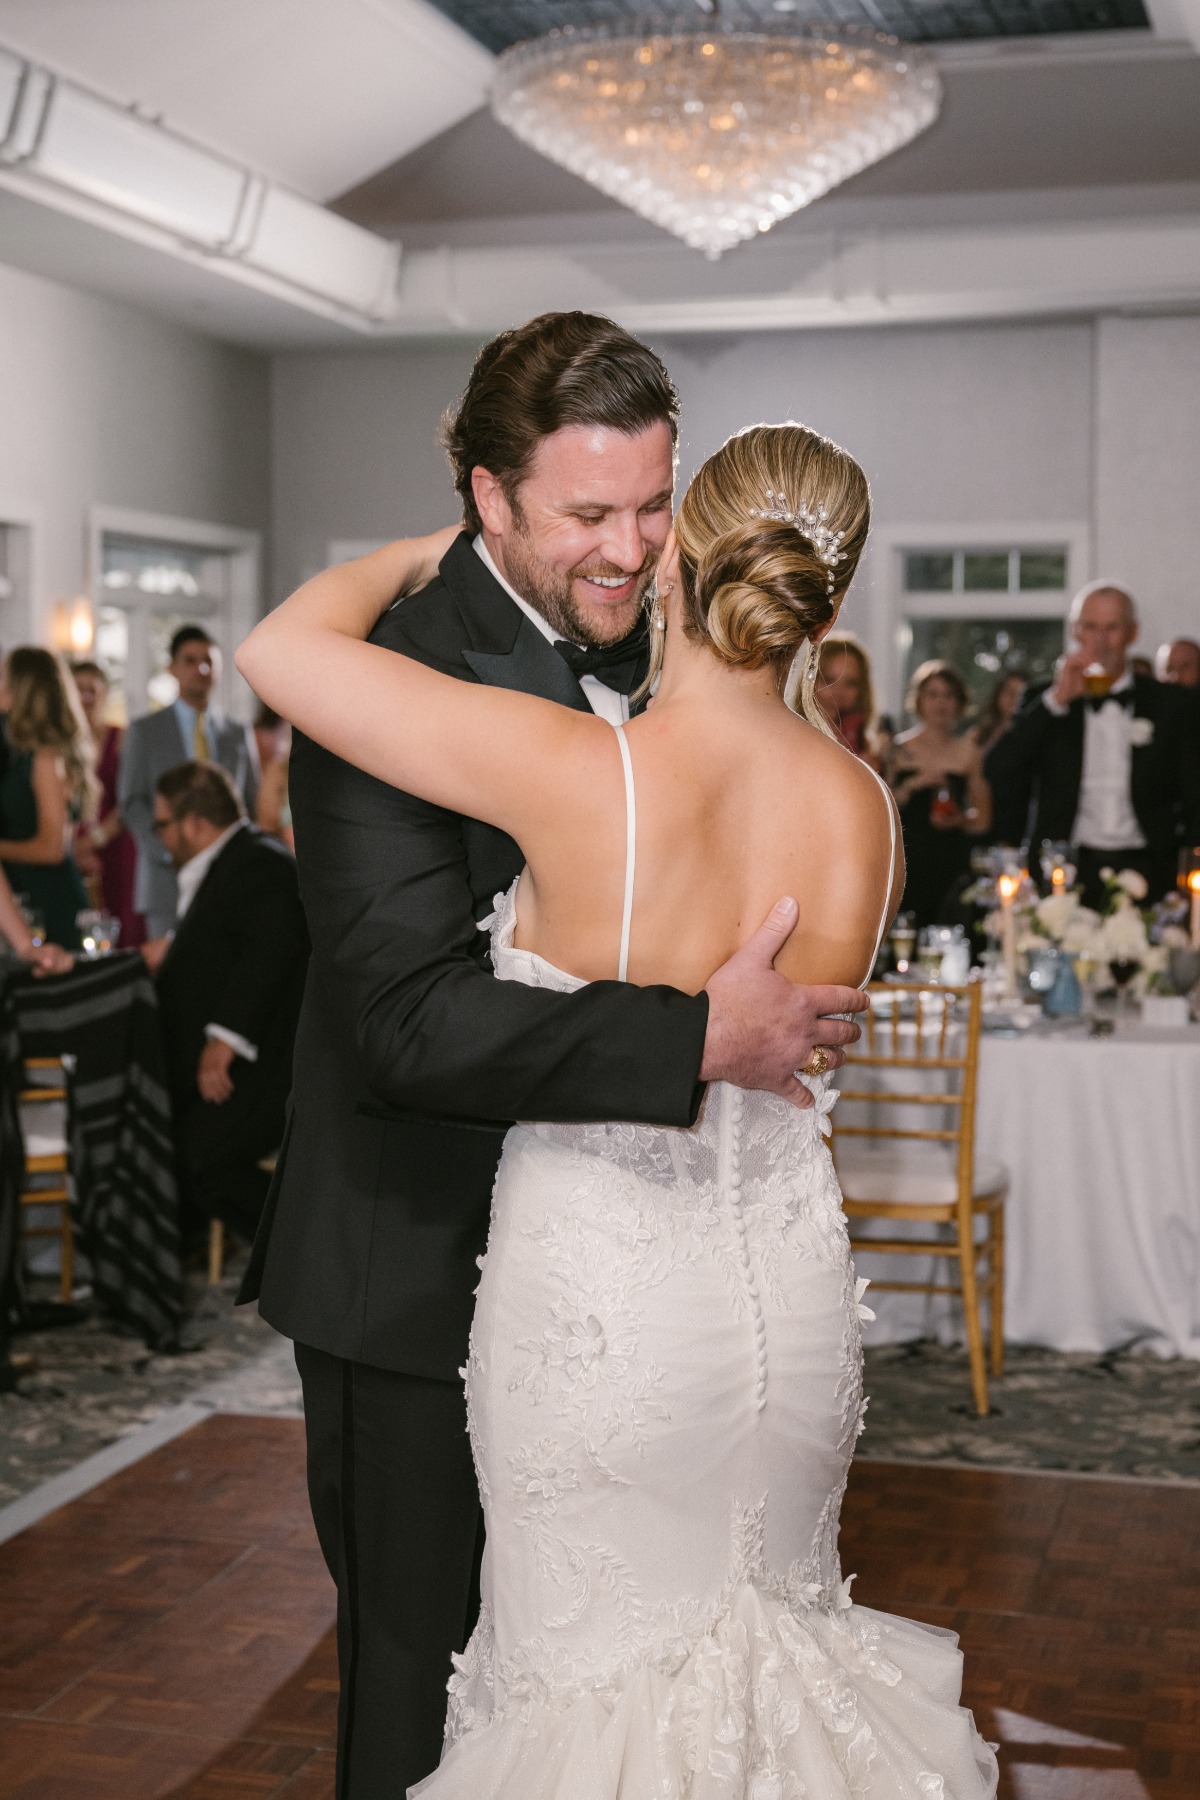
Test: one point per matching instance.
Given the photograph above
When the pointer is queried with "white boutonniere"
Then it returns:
(1141, 732)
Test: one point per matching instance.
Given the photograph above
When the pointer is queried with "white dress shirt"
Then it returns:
(604, 701)
(189, 879)
(1105, 819)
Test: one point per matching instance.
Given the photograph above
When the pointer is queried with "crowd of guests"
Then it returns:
(150, 825)
(1105, 757)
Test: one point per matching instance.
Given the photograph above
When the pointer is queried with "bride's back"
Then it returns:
(738, 800)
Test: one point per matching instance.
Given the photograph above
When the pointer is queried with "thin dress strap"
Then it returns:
(891, 867)
(630, 853)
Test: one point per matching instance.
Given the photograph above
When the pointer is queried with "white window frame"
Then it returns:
(890, 544)
(244, 549)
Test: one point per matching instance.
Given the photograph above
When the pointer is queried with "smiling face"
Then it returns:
(584, 531)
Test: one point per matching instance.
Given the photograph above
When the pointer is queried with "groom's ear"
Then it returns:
(491, 502)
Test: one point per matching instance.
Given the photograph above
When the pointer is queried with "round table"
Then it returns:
(1101, 1138)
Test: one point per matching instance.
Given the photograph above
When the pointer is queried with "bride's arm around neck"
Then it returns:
(491, 753)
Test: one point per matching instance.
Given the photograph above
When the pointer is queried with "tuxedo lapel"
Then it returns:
(505, 649)
(532, 666)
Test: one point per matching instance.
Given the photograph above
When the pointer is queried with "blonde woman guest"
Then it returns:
(945, 802)
(104, 849)
(48, 788)
(845, 694)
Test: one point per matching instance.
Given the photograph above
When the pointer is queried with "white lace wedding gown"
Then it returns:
(664, 1388)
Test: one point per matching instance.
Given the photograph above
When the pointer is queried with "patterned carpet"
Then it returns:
(1122, 1413)
(1117, 1414)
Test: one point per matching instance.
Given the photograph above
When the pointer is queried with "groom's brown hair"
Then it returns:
(562, 368)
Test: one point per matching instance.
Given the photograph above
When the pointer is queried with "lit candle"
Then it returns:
(1008, 887)
(1194, 890)
(1058, 878)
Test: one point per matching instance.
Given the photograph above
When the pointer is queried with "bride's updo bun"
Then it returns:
(755, 588)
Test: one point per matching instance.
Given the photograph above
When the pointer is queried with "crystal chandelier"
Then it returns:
(715, 130)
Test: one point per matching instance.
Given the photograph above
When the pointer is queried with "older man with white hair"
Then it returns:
(1102, 758)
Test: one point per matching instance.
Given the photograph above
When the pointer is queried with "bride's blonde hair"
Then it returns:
(755, 589)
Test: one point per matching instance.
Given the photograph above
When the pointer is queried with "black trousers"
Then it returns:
(397, 1513)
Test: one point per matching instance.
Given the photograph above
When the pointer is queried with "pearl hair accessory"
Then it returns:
(825, 541)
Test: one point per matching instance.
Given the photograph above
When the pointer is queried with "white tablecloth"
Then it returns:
(1102, 1140)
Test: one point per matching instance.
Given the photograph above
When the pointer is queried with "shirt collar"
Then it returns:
(535, 618)
(1123, 683)
(194, 871)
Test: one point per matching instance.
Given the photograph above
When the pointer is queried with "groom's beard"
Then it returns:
(550, 592)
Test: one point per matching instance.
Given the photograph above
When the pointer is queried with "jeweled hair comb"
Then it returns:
(825, 541)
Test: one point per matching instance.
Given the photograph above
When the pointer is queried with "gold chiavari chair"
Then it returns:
(46, 1155)
(216, 1232)
(923, 1044)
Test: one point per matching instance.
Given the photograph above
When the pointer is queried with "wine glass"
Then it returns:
(903, 941)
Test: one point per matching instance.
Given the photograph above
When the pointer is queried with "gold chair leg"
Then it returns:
(66, 1255)
(216, 1251)
(996, 1272)
(970, 1300)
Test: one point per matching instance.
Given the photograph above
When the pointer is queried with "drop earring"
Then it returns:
(658, 618)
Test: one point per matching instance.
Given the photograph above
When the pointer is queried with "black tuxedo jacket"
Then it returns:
(411, 1059)
(1038, 764)
(238, 959)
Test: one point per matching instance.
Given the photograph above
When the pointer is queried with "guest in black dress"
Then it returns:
(49, 785)
(945, 803)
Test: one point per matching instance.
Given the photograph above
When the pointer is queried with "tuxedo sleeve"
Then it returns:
(1011, 768)
(269, 943)
(398, 950)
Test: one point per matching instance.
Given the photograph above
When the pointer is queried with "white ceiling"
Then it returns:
(318, 94)
(332, 97)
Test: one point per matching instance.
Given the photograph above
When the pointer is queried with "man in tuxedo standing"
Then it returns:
(230, 982)
(411, 1060)
(191, 729)
(1114, 772)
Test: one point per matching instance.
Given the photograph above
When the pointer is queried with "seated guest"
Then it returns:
(49, 786)
(944, 801)
(192, 727)
(229, 988)
(844, 692)
(1107, 760)
(1179, 662)
(999, 709)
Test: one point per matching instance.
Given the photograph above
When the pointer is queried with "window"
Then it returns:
(983, 649)
(148, 589)
(985, 571)
(987, 609)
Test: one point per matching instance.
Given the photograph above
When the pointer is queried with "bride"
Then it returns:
(665, 1378)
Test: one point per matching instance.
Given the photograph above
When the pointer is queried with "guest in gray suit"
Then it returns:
(190, 730)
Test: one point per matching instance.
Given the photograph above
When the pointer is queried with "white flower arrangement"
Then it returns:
(1141, 732)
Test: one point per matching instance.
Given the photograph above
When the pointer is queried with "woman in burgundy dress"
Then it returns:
(105, 850)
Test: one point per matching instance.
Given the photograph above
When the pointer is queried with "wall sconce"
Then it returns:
(72, 630)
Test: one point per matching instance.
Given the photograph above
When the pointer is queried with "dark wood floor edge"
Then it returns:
(930, 1462)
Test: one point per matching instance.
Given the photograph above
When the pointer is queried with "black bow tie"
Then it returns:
(619, 666)
(1096, 701)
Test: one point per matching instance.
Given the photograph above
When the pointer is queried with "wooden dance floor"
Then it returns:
(169, 1634)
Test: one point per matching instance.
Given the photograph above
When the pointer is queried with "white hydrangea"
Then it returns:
(1134, 885)
(1123, 934)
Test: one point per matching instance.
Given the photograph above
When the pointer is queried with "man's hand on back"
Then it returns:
(762, 1027)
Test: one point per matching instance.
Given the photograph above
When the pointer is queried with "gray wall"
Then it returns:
(969, 425)
(103, 404)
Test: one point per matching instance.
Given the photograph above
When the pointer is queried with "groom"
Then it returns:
(411, 1060)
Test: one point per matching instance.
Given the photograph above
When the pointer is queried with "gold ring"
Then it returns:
(818, 1063)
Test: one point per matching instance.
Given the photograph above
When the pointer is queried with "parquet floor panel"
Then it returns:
(169, 1635)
